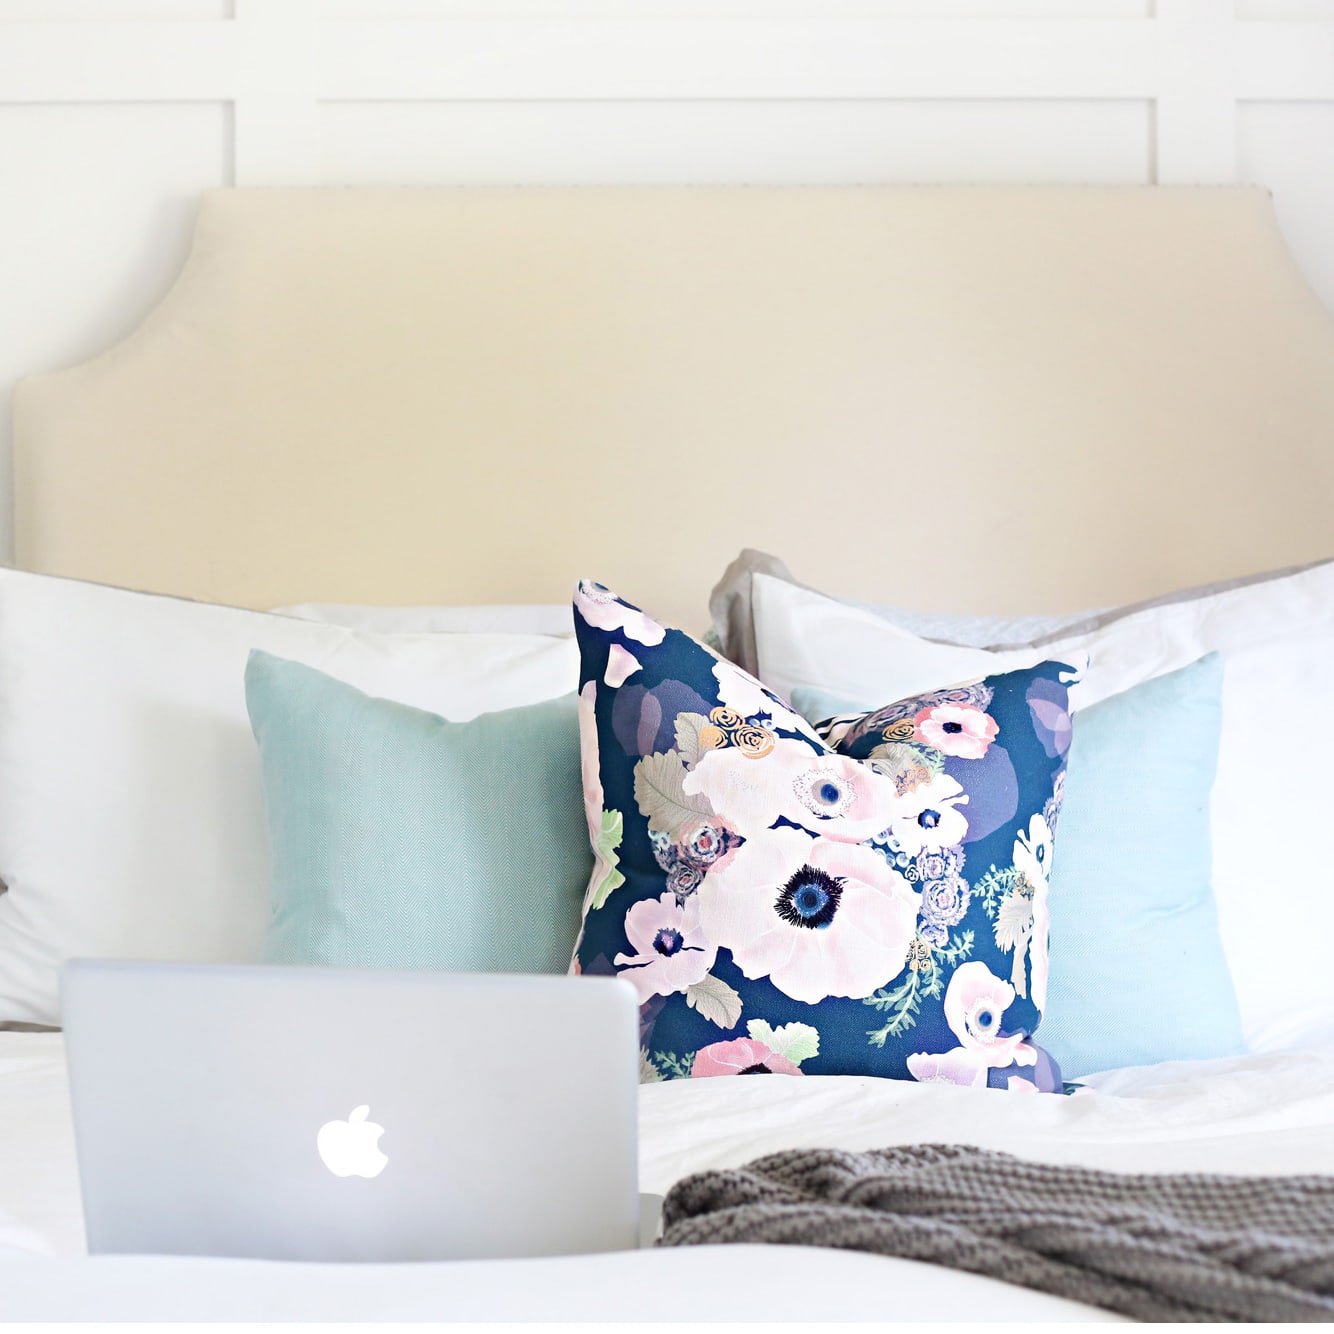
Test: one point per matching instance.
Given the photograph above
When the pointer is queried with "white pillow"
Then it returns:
(508, 618)
(131, 815)
(731, 605)
(1275, 786)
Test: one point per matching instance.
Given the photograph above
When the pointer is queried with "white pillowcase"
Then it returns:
(1275, 786)
(732, 608)
(504, 618)
(131, 814)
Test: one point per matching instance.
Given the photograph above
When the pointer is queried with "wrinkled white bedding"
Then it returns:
(1257, 1114)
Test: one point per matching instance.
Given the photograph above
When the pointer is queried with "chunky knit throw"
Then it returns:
(1154, 1247)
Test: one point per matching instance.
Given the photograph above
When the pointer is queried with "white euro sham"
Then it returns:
(131, 811)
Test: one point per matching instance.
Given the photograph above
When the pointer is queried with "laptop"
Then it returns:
(331, 1114)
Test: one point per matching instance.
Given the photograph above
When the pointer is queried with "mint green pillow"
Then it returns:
(401, 840)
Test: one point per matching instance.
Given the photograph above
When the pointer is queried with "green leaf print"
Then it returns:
(903, 1002)
(992, 887)
(797, 1042)
(610, 833)
(955, 952)
(674, 1066)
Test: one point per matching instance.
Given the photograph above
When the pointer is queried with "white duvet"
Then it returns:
(1257, 1114)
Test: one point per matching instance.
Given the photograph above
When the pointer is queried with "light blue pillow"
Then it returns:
(400, 840)
(1138, 973)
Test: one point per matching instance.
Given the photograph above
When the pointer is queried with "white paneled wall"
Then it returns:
(115, 113)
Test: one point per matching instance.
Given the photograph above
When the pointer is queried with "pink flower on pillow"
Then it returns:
(589, 759)
(975, 1002)
(956, 729)
(831, 795)
(816, 917)
(621, 664)
(740, 1056)
(671, 953)
(959, 1066)
(601, 608)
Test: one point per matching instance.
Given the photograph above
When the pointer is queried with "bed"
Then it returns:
(458, 402)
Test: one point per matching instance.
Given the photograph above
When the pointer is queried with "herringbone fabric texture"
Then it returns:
(1154, 1247)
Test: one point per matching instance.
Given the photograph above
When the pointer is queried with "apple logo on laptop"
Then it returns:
(350, 1148)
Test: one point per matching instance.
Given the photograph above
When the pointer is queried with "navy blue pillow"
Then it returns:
(785, 908)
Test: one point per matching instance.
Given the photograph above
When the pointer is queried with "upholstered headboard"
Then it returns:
(992, 398)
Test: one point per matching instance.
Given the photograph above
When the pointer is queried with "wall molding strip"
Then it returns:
(277, 61)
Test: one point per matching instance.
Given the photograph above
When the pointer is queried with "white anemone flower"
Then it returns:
(958, 1066)
(671, 951)
(975, 1002)
(927, 817)
(830, 795)
(1032, 858)
(815, 916)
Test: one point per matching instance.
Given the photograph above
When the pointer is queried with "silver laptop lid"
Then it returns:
(330, 1114)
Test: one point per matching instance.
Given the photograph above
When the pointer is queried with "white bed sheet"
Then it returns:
(1258, 1114)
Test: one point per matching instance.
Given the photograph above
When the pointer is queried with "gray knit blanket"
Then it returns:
(1171, 1247)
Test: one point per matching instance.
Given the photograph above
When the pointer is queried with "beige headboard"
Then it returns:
(994, 398)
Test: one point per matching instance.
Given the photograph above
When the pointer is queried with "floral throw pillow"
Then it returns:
(875, 904)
